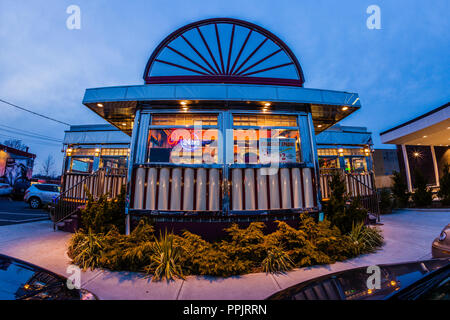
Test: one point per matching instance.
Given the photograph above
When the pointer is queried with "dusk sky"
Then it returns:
(399, 72)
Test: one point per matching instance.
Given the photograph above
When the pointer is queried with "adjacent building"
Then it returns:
(422, 144)
(15, 165)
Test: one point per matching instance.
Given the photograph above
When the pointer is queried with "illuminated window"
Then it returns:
(263, 120)
(114, 152)
(183, 119)
(83, 152)
(183, 146)
(81, 164)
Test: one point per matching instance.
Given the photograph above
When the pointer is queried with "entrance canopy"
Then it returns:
(118, 104)
(432, 128)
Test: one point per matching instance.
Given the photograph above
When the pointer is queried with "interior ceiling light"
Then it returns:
(319, 126)
(424, 136)
(267, 104)
(124, 124)
(100, 105)
(344, 108)
(183, 103)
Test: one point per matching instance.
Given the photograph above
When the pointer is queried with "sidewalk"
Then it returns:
(408, 236)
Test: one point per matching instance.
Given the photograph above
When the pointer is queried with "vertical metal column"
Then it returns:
(435, 165)
(227, 158)
(408, 173)
(134, 137)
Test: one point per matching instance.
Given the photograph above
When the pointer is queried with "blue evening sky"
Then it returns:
(400, 71)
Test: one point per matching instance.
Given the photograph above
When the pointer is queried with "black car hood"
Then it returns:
(20, 280)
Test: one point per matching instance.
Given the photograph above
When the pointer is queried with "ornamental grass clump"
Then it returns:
(164, 258)
(365, 239)
(276, 261)
(85, 249)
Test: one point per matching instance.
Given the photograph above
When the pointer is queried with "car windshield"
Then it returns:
(21, 281)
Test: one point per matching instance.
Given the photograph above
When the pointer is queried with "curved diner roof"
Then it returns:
(221, 63)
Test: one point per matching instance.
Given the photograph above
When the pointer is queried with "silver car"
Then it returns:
(41, 194)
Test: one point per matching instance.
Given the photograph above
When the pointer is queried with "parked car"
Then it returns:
(41, 194)
(21, 280)
(395, 281)
(5, 189)
(441, 245)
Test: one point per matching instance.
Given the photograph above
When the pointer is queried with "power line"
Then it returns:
(47, 143)
(35, 113)
(29, 133)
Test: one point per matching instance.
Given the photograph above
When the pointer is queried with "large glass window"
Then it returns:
(329, 163)
(81, 164)
(258, 137)
(191, 142)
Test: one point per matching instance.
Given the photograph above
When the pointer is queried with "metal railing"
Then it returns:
(77, 186)
(358, 186)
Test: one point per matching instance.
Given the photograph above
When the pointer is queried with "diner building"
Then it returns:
(223, 129)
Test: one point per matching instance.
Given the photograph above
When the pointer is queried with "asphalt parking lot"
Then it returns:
(15, 212)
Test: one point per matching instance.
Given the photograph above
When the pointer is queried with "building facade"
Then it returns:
(223, 129)
(15, 165)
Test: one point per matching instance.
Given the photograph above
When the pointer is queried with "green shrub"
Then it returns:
(339, 209)
(444, 189)
(422, 196)
(102, 214)
(244, 251)
(385, 201)
(365, 239)
(400, 190)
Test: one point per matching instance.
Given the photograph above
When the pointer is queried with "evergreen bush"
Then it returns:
(102, 214)
(422, 196)
(400, 190)
(339, 209)
(385, 201)
(444, 189)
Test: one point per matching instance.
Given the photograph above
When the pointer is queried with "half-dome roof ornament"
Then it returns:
(223, 50)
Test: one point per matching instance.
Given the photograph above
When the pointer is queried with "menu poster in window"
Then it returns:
(286, 149)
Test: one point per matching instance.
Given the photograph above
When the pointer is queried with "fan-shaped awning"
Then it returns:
(223, 50)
